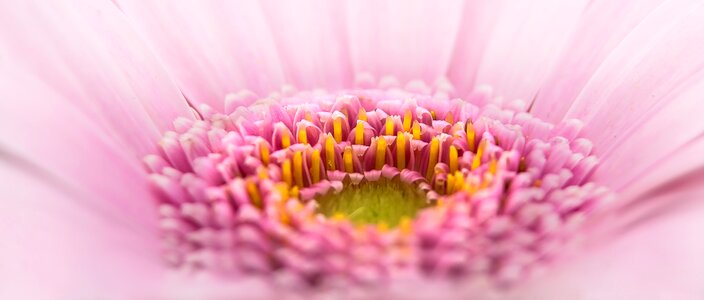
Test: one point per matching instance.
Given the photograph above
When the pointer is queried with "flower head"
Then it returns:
(485, 181)
(367, 185)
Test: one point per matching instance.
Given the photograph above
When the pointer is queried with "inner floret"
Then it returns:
(383, 202)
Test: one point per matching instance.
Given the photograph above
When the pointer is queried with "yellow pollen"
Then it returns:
(478, 157)
(330, 153)
(298, 168)
(433, 115)
(285, 139)
(401, 151)
(440, 203)
(294, 192)
(389, 126)
(253, 192)
(453, 159)
(450, 183)
(449, 118)
(416, 131)
(432, 158)
(470, 135)
(362, 115)
(337, 129)
(405, 226)
(282, 188)
(380, 153)
(359, 133)
(459, 181)
(286, 172)
(383, 227)
(264, 153)
(347, 159)
(407, 119)
(302, 136)
(315, 166)
(263, 174)
(308, 117)
(492, 164)
(471, 188)
(338, 216)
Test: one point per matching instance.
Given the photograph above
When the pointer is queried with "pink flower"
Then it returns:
(92, 88)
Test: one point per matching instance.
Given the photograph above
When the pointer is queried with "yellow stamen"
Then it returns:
(416, 130)
(478, 158)
(337, 129)
(380, 153)
(389, 126)
(382, 227)
(359, 133)
(449, 118)
(432, 158)
(405, 226)
(433, 115)
(459, 181)
(294, 192)
(338, 216)
(471, 188)
(263, 174)
(282, 188)
(453, 159)
(347, 159)
(407, 119)
(308, 117)
(401, 151)
(302, 136)
(362, 115)
(330, 153)
(298, 168)
(264, 153)
(286, 172)
(285, 139)
(470, 135)
(492, 165)
(253, 192)
(315, 166)
(440, 203)
(450, 184)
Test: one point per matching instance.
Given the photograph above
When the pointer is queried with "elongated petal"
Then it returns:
(406, 39)
(311, 39)
(658, 256)
(212, 48)
(601, 28)
(52, 245)
(515, 45)
(78, 113)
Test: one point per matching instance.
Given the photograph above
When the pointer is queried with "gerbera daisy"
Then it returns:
(399, 150)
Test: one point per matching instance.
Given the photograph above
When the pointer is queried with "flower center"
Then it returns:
(384, 202)
(290, 185)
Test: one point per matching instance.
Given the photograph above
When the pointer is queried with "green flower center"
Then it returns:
(378, 202)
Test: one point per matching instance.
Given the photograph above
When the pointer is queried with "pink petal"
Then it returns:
(311, 41)
(211, 48)
(658, 257)
(53, 245)
(600, 29)
(406, 39)
(512, 46)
